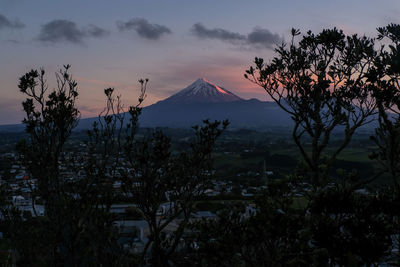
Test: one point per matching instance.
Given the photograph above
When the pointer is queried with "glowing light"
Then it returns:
(217, 87)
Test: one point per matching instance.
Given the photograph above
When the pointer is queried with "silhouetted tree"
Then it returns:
(327, 82)
(77, 227)
(164, 186)
(384, 77)
(77, 188)
(321, 82)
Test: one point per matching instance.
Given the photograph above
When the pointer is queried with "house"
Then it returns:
(133, 234)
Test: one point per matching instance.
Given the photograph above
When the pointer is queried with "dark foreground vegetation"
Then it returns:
(315, 212)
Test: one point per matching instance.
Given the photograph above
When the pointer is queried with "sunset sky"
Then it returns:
(171, 42)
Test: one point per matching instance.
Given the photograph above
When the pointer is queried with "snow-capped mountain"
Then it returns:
(202, 91)
(205, 100)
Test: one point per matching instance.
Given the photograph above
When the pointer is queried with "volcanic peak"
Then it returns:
(203, 91)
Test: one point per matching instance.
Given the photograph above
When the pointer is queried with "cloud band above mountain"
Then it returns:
(57, 31)
(202, 32)
(263, 37)
(259, 37)
(144, 28)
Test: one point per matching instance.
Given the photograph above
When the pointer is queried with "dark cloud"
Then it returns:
(144, 29)
(7, 23)
(259, 37)
(202, 32)
(95, 31)
(67, 31)
(263, 37)
(61, 31)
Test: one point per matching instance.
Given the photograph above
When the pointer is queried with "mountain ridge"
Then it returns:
(202, 91)
(204, 100)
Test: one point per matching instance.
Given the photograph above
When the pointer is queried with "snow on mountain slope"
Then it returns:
(202, 91)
